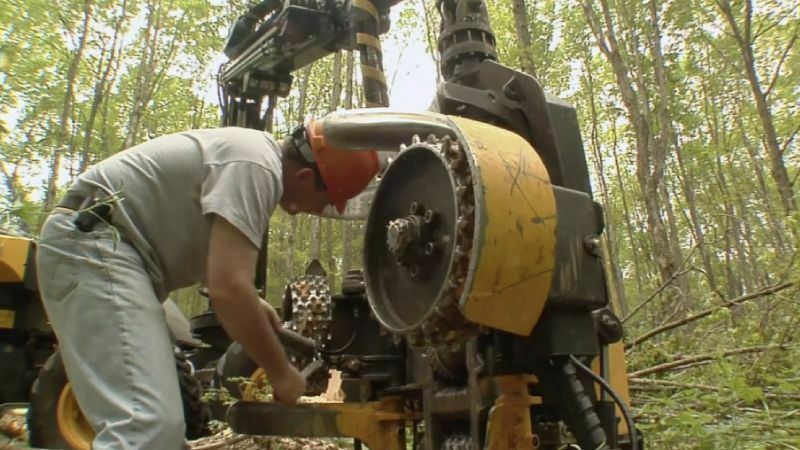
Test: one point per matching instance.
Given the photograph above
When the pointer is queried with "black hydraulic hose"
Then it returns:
(562, 388)
(632, 435)
(369, 48)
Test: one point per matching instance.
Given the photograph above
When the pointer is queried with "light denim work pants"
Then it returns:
(112, 334)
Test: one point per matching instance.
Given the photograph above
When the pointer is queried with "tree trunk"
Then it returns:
(149, 74)
(431, 33)
(745, 39)
(332, 272)
(696, 223)
(65, 121)
(613, 273)
(301, 112)
(524, 41)
(101, 87)
(348, 104)
(651, 154)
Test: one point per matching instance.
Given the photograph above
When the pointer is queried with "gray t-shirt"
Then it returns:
(173, 185)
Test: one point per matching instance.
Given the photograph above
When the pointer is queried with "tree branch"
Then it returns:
(706, 312)
(663, 286)
(680, 363)
(784, 55)
(666, 384)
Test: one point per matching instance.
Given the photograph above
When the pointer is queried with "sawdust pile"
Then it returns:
(227, 440)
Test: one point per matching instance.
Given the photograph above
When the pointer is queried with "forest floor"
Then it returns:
(14, 436)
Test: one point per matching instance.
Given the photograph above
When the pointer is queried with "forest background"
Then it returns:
(690, 117)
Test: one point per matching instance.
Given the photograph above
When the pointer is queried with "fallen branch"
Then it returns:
(662, 287)
(769, 290)
(680, 363)
(665, 384)
(228, 441)
(655, 293)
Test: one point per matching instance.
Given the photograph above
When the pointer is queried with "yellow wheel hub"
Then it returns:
(71, 423)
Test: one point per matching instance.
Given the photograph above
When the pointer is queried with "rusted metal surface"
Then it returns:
(376, 424)
(510, 419)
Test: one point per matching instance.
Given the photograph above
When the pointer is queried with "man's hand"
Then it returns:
(289, 387)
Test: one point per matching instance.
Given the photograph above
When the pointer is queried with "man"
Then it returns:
(177, 210)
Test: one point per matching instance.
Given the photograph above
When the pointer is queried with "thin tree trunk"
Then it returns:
(776, 224)
(149, 75)
(637, 268)
(332, 272)
(696, 224)
(744, 39)
(348, 104)
(333, 104)
(524, 41)
(101, 87)
(65, 125)
(613, 273)
(431, 35)
(301, 111)
(650, 156)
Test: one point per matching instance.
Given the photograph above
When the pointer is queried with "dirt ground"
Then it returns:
(14, 436)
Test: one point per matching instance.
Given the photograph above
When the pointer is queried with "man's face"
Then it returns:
(301, 194)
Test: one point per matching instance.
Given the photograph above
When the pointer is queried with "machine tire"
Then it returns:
(195, 412)
(48, 387)
(46, 390)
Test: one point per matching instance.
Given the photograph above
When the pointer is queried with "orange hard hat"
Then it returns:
(345, 172)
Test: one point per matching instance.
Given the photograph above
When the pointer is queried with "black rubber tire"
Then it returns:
(195, 412)
(42, 423)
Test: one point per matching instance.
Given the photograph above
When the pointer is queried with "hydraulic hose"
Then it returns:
(369, 48)
(559, 378)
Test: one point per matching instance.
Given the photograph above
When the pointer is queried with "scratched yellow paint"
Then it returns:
(516, 239)
(13, 255)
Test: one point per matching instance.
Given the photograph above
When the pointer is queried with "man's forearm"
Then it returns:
(246, 322)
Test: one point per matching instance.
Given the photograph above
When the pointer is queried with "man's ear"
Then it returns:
(304, 175)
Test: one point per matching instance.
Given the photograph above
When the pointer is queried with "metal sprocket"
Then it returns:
(429, 317)
(457, 442)
(307, 310)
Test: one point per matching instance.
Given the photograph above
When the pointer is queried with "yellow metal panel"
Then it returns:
(6, 318)
(514, 259)
(13, 255)
(377, 424)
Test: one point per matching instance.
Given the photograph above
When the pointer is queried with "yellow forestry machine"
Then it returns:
(481, 318)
